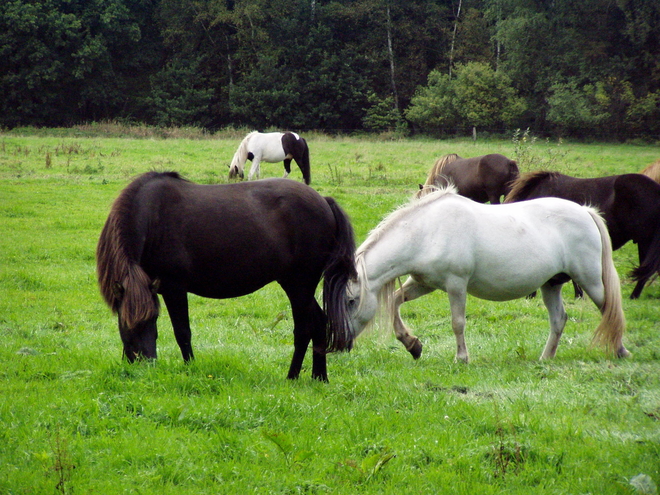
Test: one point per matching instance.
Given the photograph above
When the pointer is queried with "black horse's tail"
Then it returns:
(648, 266)
(339, 270)
(305, 167)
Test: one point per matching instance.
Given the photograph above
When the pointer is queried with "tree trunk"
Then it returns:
(391, 56)
(453, 38)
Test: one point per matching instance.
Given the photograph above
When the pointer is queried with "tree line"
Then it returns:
(562, 67)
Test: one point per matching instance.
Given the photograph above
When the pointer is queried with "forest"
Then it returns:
(565, 68)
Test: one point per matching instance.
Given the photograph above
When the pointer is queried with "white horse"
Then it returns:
(494, 252)
(271, 147)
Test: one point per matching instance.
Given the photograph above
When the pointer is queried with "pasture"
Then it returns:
(75, 418)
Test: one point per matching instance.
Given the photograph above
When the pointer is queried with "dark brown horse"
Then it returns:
(630, 204)
(481, 178)
(168, 236)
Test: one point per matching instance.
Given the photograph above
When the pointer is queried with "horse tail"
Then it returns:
(648, 266)
(524, 185)
(304, 162)
(609, 332)
(339, 270)
(124, 285)
(240, 157)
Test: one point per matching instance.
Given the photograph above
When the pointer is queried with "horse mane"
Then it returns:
(124, 285)
(652, 171)
(240, 157)
(521, 187)
(385, 296)
(434, 194)
(439, 164)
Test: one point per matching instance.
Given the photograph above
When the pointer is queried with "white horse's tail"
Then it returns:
(613, 322)
(240, 157)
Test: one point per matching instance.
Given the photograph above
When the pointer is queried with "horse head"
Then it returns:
(137, 311)
(363, 302)
(235, 171)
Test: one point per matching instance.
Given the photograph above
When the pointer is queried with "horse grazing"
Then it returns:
(168, 236)
(448, 242)
(630, 204)
(482, 178)
(271, 147)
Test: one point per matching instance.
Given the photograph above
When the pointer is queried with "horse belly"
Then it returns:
(514, 263)
(268, 149)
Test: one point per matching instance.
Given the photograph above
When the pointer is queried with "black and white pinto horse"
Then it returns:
(271, 147)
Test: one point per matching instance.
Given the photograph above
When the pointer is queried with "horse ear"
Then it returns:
(155, 285)
(118, 290)
(421, 186)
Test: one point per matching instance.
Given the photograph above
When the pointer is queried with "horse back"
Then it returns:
(497, 172)
(228, 240)
(482, 177)
(593, 192)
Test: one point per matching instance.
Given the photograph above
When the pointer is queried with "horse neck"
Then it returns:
(383, 261)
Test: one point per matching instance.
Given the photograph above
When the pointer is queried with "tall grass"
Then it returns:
(74, 418)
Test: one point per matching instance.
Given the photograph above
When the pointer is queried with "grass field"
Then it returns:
(74, 418)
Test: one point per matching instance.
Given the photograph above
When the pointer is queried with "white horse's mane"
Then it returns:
(415, 203)
(240, 157)
(385, 295)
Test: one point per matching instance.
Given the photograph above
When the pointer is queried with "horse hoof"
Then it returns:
(623, 353)
(416, 349)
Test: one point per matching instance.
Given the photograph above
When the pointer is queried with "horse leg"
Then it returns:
(287, 166)
(309, 324)
(642, 250)
(177, 307)
(457, 302)
(494, 197)
(578, 290)
(254, 169)
(557, 316)
(409, 290)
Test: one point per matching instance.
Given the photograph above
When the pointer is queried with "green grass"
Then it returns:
(74, 418)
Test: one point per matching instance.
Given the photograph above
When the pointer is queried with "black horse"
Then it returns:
(168, 236)
(630, 204)
(480, 178)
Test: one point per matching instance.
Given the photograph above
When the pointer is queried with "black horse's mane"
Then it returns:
(117, 254)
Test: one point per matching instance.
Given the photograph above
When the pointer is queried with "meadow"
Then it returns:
(75, 418)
